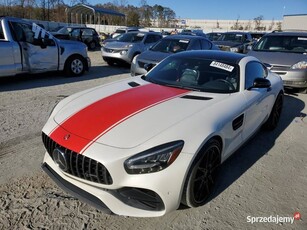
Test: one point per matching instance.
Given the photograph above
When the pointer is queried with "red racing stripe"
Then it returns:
(90, 123)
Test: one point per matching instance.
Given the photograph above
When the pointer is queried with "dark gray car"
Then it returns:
(236, 42)
(286, 52)
(167, 46)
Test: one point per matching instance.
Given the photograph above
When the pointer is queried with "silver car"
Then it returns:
(127, 46)
(167, 46)
(286, 52)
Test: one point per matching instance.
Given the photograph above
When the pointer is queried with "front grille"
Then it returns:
(224, 48)
(275, 68)
(111, 50)
(79, 165)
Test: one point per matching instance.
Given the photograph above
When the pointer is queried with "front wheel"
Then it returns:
(274, 117)
(75, 66)
(202, 175)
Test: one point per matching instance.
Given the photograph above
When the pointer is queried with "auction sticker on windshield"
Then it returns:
(221, 65)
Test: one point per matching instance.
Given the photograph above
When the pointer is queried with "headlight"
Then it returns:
(234, 49)
(128, 46)
(300, 65)
(154, 159)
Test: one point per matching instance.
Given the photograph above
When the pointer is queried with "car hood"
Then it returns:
(117, 45)
(278, 58)
(153, 56)
(227, 43)
(127, 114)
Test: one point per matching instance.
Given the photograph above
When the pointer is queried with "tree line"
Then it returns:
(54, 10)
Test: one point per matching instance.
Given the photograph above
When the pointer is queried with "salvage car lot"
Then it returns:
(267, 177)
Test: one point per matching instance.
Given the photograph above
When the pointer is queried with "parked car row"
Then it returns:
(284, 52)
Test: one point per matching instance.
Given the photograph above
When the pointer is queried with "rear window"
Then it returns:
(290, 44)
(171, 45)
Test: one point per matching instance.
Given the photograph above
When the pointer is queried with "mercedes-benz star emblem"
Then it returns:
(60, 159)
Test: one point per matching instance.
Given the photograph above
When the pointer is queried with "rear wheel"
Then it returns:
(202, 175)
(274, 117)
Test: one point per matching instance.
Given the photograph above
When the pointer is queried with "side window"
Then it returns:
(195, 45)
(254, 70)
(23, 32)
(206, 45)
(75, 33)
(87, 32)
(150, 39)
(157, 38)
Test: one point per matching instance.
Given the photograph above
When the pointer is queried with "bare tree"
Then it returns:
(258, 21)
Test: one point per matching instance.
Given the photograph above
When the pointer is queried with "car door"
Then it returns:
(257, 99)
(39, 49)
(7, 62)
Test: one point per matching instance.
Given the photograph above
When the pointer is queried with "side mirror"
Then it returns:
(249, 47)
(261, 83)
(148, 66)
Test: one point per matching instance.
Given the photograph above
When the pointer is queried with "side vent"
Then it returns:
(192, 97)
(133, 84)
(238, 122)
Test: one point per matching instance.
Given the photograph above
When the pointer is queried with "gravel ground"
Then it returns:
(265, 178)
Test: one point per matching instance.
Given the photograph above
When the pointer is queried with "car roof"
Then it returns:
(287, 33)
(184, 36)
(229, 57)
(236, 32)
(144, 32)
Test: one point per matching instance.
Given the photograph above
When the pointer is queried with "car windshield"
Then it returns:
(196, 74)
(65, 30)
(289, 44)
(131, 37)
(171, 45)
(233, 37)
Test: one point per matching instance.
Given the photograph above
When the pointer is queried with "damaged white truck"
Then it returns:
(27, 48)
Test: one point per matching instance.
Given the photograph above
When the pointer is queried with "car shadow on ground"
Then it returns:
(244, 158)
(30, 81)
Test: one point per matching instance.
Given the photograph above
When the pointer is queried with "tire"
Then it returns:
(274, 117)
(202, 175)
(110, 63)
(75, 66)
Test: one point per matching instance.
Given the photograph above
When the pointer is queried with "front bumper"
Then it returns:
(116, 55)
(89, 64)
(293, 78)
(141, 195)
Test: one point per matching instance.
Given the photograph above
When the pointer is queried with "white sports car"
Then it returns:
(143, 145)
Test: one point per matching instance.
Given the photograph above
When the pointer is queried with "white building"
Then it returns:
(295, 22)
(227, 25)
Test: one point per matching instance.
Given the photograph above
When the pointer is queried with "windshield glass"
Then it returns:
(196, 74)
(171, 45)
(231, 37)
(131, 37)
(290, 44)
(65, 30)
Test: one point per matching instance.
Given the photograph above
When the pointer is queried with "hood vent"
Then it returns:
(193, 97)
(133, 84)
